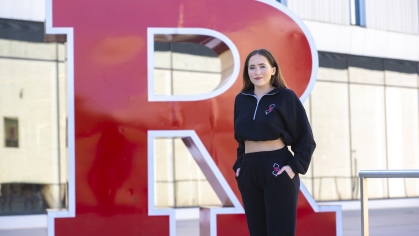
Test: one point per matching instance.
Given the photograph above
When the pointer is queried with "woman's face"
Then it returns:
(260, 71)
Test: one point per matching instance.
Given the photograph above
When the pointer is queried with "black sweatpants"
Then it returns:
(270, 200)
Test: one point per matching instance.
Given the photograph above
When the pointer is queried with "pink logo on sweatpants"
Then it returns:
(276, 169)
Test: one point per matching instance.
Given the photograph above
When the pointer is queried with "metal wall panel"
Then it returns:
(390, 15)
(332, 11)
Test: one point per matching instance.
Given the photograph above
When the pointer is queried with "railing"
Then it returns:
(363, 175)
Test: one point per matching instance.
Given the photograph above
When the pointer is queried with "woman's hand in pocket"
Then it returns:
(287, 169)
(237, 172)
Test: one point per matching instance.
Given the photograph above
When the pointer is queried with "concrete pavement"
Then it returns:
(383, 222)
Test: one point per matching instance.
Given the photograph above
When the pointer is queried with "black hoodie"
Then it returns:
(277, 114)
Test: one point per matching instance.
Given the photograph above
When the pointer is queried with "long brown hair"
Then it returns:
(277, 80)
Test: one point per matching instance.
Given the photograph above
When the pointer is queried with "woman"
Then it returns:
(267, 117)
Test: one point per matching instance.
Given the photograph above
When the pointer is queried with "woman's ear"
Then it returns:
(273, 70)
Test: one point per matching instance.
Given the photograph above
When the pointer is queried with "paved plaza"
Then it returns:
(383, 222)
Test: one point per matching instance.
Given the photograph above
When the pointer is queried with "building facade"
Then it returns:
(364, 108)
(33, 152)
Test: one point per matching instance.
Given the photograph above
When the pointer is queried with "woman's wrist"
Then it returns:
(289, 171)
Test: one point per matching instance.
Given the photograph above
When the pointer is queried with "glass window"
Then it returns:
(401, 79)
(11, 132)
(333, 67)
(358, 12)
(330, 74)
(179, 180)
(164, 177)
(402, 135)
(192, 188)
(308, 177)
(331, 159)
(368, 136)
(366, 76)
(365, 70)
(400, 73)
(21, 198)
(383, 123)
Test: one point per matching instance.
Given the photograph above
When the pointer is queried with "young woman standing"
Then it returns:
(268, 117)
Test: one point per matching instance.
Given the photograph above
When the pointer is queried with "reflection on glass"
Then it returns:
(331, 159)
(383, 125)
(368, 135)
(401, 79)
(366, 76)
(402, 135)
(328, 74)
(307, 179)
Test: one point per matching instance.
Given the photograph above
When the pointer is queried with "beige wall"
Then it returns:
(191, 74)
(28, 92)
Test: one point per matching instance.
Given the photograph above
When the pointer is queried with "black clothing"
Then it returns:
(277, 114)
(270, 200)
